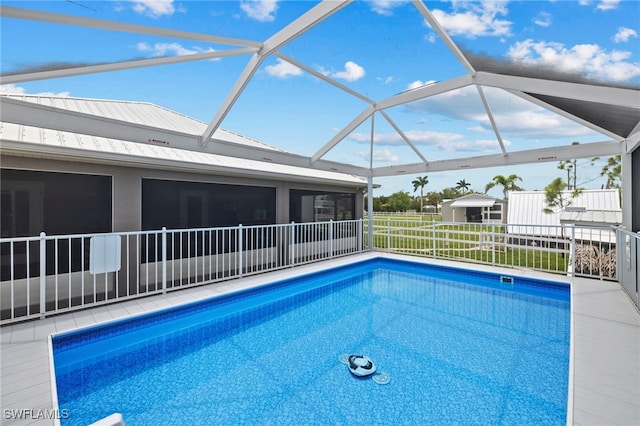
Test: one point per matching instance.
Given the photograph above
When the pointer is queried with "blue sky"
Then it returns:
(378, 48)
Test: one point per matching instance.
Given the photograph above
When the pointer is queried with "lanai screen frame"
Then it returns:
(536, 89)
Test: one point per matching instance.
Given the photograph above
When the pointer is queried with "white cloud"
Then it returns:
(589, 59)
(381, 155)
(624, 34)
(385, 7)
(12, 89)
(515, 117)
(608, 4)
(260, 10)
(385, 80)
(584, 2)
(441, 141)
(543, 19)
(431, 37)
(154, 8)
(352, 72)
(475, 19)
(168, 49)
(419, 83)
(282, 69)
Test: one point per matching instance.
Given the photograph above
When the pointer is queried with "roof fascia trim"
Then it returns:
(65, 153)
(542, 155)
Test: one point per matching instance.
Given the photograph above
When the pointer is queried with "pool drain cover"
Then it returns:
(382, 378)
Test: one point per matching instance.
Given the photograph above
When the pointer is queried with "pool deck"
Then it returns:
(605, 356)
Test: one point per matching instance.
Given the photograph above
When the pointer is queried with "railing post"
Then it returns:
(389, 234)
(43, 275)
(572, 251)
(164, 259)
(331, 238)
(292, 245)
(360, 232)
(433, 238)
(240, 249)
(493, 245)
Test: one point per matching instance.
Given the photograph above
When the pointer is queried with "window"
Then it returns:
(184, 205)
(315, 206)
(191, 205)
(74, 204)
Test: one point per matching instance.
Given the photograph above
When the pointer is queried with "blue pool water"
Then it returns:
(459, 346)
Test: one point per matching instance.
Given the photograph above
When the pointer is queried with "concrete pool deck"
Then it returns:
(605, 363)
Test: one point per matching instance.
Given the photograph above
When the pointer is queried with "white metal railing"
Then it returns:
(628, 262)
(85, 270)
(584, 251)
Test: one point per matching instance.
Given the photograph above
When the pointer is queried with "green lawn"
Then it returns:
(472, 242)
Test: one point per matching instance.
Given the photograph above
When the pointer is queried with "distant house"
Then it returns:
(478, 208)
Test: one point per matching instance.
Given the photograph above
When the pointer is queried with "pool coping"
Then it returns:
(25, 346)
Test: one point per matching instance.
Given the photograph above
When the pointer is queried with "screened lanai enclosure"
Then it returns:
(221, 122)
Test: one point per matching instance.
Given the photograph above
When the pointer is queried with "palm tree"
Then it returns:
(507, 184)
(463, 185)
(612, 170)
(420, 182)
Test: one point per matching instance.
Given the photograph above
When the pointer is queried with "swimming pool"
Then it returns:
(458, 346)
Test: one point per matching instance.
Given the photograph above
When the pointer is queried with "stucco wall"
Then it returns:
(127, 185)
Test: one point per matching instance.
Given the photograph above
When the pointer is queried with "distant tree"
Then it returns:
(557, 197)
(433, 199)
(613, 171)
(507, 184)
(420, 182)
(380, 203)
(399, 201)
(450, 193)
(463, 185)
(571, 166)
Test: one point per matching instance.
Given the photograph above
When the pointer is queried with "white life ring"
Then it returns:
(361, 366)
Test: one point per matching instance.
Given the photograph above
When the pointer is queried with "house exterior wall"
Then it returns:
(459, 214)
(447, 211)
(127, 185)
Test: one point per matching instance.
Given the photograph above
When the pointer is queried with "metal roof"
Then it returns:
(592, 217)
(161, 154)
(527, 208)
(474, 200)
(139, 113)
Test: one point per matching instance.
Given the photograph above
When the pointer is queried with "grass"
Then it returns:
(470, 242)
